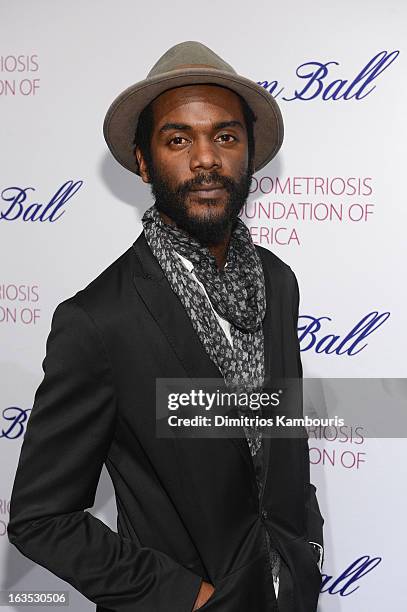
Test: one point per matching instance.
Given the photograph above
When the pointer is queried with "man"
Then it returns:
(228, 524)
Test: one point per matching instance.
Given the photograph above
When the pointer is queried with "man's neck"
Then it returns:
(219, 251)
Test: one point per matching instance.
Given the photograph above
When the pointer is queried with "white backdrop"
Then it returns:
(332, 205)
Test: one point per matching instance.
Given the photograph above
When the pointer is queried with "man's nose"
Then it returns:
(204, 155)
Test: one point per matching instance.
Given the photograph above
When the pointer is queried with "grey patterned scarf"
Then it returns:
(237, 293)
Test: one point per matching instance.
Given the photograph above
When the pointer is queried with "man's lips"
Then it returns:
(208, 191)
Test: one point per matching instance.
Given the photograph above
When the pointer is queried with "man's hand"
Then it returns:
(204, 594)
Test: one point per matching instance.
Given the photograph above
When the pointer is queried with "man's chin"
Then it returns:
(209, 228)
(207, 211)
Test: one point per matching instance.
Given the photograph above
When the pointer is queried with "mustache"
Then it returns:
(206, 179)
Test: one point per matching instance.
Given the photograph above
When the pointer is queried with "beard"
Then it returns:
(212, 227)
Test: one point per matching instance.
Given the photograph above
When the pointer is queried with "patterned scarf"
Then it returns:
(237, 293)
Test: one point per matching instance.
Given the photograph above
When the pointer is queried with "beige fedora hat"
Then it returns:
(191, 63)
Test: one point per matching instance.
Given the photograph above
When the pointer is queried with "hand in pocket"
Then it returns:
(205, 593)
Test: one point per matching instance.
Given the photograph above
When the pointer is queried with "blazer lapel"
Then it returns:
(169, 313)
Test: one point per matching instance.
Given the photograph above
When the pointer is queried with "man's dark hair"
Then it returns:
(144, 130)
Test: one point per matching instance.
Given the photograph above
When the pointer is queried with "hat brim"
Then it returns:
(121, 118)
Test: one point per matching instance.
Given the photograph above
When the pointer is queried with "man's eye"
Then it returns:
(177, 140)
(226, 137)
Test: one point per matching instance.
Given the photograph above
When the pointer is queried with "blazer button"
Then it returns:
(264, 514)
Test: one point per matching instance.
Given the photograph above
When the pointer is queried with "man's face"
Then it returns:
(199, 173)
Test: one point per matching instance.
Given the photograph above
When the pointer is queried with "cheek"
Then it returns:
(235, 163)
(174, 167)
(236, 170)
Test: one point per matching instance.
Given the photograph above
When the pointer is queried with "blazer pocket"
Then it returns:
(247, 588)
(311, 556)
(306, 564)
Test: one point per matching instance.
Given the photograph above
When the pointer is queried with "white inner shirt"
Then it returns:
(225, 325)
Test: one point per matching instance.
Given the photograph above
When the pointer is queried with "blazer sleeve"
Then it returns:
(67, 439)
(314, 519)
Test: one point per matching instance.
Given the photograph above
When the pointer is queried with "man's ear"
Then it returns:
(142, 165)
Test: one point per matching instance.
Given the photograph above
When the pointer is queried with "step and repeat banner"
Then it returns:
(332, 205)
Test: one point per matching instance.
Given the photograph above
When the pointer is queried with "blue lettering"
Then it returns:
(315, 77)
(17, 417)
(359, 568)
(364, 328)
(17, 196)
(310, 329)
(64, 194)
(371, 71)
(271, 86)
(332, 343)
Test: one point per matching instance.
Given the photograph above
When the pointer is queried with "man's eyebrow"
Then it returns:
(174, 126)
(184, 126)
(225, 124)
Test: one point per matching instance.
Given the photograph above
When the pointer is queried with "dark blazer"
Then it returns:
(187, 509)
